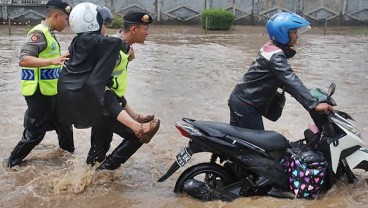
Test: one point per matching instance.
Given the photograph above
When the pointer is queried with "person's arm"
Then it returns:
(106, 55)
(293, 85)
(35, 43)
(141, 118)
(31, 61)
(130, 111)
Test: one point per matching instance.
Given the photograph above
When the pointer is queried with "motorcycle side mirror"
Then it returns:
(331, 89)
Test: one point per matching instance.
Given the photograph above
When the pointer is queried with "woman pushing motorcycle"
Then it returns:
(256, 94)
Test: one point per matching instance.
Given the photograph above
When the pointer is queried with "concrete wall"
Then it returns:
(250, 12)
(253, 12)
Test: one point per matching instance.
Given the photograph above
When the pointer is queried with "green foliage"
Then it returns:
(117, 21)
(363, 31)
(217, 19)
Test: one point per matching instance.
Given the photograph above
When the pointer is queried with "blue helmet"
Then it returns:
(278, 26)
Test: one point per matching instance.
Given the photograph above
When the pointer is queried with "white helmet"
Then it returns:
(87, 17)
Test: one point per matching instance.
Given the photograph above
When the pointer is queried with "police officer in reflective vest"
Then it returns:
(41, 62)
(135, 30)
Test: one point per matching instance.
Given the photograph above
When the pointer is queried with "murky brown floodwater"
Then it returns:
(179, 72)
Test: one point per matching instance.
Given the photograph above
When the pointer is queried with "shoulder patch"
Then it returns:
(35, 37)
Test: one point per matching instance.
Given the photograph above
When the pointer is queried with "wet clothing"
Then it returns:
(244, 115)
(82, 82)
(267, 73)
(42, 114)
(43, 77)
(102, 131)
(113, 104)
(101, 137)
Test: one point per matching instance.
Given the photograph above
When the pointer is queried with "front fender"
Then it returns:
(357, 157)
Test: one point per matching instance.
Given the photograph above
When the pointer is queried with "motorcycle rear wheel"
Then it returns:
(213, 175)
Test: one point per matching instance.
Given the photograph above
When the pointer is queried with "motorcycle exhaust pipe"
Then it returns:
(174, 167)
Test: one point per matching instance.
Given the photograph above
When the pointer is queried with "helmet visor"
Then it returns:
(106, 15)
(304, 29)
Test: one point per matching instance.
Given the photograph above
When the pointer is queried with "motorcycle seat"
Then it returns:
(267, 140)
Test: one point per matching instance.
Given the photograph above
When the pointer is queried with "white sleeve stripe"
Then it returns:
(268, 55)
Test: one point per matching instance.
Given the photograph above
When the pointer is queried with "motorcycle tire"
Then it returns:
(203, 168)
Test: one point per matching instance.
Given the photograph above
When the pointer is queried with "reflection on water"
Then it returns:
(179, 72)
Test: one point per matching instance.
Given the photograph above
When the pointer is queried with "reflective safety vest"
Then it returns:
(45, 77)
(120, 75)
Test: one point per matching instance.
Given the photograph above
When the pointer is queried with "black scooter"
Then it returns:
(247, 162)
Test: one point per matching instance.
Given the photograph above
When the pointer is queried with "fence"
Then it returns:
(249, 12)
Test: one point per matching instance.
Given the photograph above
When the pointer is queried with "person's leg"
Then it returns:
(124, 151)
(233, 118)
(36, 120)
(63, 129)
(145, 131)
(244, 115)
(101, 137)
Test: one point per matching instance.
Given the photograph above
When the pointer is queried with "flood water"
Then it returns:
(179, 72)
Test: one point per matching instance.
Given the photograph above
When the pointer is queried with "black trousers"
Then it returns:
(41, 116)
(244, 115)
(101, 137)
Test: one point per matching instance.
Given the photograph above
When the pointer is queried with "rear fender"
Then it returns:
(192, 148)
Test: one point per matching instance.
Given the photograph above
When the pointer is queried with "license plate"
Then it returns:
(183, 157)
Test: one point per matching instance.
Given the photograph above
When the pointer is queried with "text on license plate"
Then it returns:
(183, 157)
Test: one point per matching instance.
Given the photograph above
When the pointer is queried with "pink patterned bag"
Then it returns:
(307, 171)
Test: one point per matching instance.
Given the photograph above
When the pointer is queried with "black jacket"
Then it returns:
(82, 82)
(267, 73)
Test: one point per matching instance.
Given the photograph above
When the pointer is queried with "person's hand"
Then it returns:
(61, 59)
(131, 54)
(324, 107)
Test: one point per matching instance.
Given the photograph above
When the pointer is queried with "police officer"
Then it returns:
(135, 30)
(41, 61)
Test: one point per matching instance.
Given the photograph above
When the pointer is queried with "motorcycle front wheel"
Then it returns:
(212, 175)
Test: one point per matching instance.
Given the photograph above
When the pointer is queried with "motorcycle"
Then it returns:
(247, 162)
